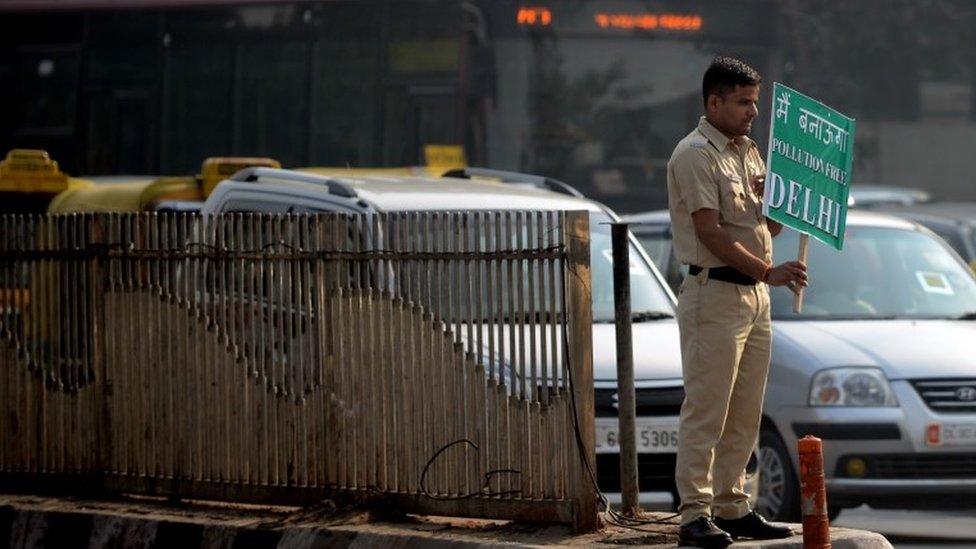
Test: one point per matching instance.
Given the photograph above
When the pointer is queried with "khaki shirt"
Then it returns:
(709, 170)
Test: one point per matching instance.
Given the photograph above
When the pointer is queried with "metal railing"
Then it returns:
(441, 359)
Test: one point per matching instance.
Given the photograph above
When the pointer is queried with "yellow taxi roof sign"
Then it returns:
(441, 158)
(217, 168)
(31, 170)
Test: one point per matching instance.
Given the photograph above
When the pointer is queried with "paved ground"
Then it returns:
(40, 522)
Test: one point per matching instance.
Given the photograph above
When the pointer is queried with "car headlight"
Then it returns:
(851, 387)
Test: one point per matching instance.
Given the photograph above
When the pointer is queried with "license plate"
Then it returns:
(951, 434)
(653, 436)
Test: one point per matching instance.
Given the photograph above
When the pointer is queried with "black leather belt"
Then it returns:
(725, 274)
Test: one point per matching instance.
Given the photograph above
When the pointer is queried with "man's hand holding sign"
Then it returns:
(787, 274)
(808, 177)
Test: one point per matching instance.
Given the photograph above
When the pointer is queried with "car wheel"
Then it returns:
(778, 488)
(751, 485)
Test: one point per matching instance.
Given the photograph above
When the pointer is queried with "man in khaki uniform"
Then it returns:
(715, 179)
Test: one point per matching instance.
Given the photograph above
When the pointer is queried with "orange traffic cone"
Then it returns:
(813, 494)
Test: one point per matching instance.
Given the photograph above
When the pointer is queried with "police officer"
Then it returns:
(715, 179)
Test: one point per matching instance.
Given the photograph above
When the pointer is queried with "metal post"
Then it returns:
(627, 412)
(580, 317)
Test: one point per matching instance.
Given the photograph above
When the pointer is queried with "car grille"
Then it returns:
(914, 466)
(948, 395)
(664, 401)
(655, 472)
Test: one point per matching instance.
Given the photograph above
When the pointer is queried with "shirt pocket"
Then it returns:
(732, 193)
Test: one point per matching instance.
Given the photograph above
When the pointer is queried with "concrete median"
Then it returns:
(43, 522)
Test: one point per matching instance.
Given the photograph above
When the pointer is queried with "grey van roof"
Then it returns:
(447, 193)
(414, 193)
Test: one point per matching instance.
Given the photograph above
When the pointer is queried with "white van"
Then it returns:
(657, 360)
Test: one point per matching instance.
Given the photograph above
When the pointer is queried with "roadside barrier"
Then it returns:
(813, 494)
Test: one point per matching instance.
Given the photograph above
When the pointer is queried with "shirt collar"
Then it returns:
(718, 139)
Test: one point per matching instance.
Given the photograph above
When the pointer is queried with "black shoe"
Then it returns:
(703, 533)
(753, 526)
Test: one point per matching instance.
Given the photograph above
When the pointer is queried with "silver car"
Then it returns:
(656, 351)
(880, 363)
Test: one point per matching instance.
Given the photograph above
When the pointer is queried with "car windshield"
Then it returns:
(648, 296)
(881, 273)
(658, 246)
(650, 300)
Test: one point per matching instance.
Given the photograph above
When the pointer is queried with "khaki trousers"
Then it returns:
(725, 351)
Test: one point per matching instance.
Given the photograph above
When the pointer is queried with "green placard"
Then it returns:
(811, 150)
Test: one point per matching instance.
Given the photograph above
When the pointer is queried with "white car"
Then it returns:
(656, 359)
(880, 363)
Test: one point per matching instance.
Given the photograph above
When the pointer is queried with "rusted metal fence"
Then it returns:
(442, 359)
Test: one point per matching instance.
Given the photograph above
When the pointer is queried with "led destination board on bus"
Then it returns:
(544, 16)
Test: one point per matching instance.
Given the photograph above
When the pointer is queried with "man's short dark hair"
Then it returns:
(724, 74)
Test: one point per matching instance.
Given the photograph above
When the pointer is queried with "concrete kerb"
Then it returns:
(38, 522)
